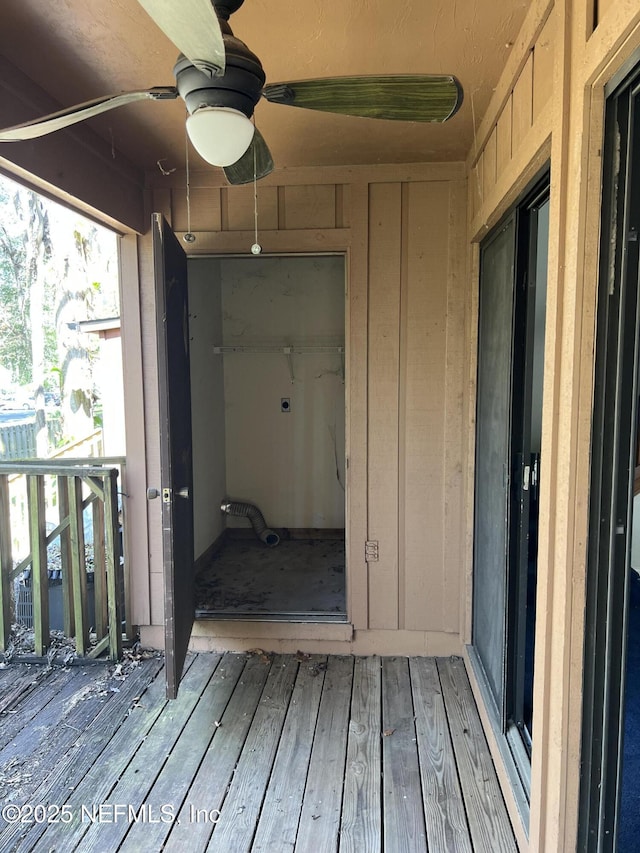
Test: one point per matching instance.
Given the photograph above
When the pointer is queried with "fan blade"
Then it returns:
(192, 25)
(411, 97)
(89, 109)
(256, 161)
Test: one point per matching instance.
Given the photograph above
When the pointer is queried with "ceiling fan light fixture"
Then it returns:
(220, 135)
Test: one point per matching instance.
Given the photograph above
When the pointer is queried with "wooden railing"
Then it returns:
(71, 486)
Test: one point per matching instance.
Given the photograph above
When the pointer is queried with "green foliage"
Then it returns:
(15, 334)
(97, 416)
(56, 270)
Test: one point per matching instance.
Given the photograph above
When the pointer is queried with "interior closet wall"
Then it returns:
(290, 463)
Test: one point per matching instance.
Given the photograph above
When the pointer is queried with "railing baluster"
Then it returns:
(39, 574)
(65, 559)
(126, 577)
(78, 567)
(99, 576)
(6, 563)
(113, 562)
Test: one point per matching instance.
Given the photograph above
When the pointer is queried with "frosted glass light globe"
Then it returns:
(220, 135)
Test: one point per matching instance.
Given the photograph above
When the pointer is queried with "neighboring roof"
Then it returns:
(96, 326)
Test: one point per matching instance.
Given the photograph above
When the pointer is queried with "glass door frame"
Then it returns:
(613, 460)
(506, 707)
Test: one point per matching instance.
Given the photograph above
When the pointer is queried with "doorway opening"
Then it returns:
(267, 350)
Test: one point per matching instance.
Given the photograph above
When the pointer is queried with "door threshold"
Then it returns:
(287, 616)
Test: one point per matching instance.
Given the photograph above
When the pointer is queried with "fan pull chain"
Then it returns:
(256, 249)
(189, 237)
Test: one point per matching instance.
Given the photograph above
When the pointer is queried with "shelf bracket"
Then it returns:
(287, 351)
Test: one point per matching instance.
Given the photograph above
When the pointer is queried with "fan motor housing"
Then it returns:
(239, 88)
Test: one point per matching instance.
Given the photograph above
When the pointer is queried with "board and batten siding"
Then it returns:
(403, 231)
(518, 122)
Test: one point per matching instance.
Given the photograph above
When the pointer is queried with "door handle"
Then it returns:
(152, 494)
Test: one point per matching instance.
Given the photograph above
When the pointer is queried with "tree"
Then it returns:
(56, 269)
(74, 304)
(15, 336)
(37, 245)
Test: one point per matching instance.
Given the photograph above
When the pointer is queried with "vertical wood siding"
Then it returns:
(405, 240)
(385, 254)
(517, 123)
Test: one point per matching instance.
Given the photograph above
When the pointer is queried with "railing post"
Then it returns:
(78, 565)
(65, 558)
(112, 548)
(99, 576)
(6, 563)
(126, 576)
(39, 574)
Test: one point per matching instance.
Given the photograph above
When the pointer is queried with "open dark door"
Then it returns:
(172, 321)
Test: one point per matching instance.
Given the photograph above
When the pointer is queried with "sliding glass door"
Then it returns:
(511, 323)
(610, 762)
(493, 450)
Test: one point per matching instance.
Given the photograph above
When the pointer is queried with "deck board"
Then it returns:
(322, 806)
(278, 823)
(486, 812)
(133, 787)
(95, 787)
(240, 811)
(196, 819)
(361, 827)
(28, 739)
(404, 827)
(88, 750)
(259, 753)
(174, 780)
(26, 700)
(444, 812)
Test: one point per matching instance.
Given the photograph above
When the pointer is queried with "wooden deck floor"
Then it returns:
(258, 753)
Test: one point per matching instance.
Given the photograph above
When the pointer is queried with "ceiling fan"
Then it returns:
(221, 81)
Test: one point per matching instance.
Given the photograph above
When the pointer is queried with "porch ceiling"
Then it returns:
(80, 49)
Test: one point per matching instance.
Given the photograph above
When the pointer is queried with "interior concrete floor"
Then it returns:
(298, 579)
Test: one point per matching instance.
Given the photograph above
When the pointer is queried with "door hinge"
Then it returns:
(371, 551)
